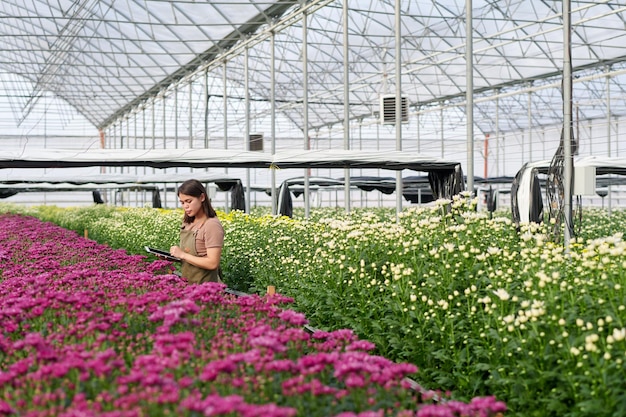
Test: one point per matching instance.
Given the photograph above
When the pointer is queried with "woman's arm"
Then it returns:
(210, 261)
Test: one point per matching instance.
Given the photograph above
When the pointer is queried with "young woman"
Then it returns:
(201, 235)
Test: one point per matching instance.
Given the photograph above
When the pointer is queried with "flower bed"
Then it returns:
(92, 331)
(480, 307)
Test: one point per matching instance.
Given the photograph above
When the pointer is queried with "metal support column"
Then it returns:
(273, 117)
(608, 132)
(246, 76)
(469, 102)
(225, 122)
(567, 123)
(305, 109)
(398, 118)
(346, 103)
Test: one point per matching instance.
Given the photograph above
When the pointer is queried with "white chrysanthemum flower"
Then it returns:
(485, 300)
(619, 334)
(493, 251)
(509, 319)
(502, 294)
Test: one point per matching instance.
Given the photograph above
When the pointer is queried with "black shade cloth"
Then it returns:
(515, 185)
(446, 183)
(535, 201)
(208, 158)
(491, 200)
(285, 203)
(97, 197)
(7, 193)
(237, 197)
(386, 185)
(415, 189)
(226, 185)
(156, 199)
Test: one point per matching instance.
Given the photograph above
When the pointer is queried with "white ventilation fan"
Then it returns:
(255, 141)
(388, 109)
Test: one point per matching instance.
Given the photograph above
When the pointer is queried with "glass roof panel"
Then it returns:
(105, 56)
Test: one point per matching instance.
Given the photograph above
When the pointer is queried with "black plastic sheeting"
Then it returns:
(285, 206)
(226, 185)
(446, 183)
(7, 193)
(415, 189)
(156, 199)
(220, 158)
(535, 207)
(237, 197)
(97, 197)
(438, 184)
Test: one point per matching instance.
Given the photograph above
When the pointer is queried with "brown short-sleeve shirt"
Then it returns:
(210, 235)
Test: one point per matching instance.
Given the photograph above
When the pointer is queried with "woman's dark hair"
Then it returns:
(195, 188)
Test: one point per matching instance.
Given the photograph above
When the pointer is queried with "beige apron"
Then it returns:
(194, 274)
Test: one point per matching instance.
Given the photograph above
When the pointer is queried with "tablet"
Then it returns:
(162, 253)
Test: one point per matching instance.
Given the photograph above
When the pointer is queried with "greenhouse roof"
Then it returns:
(108, 58)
